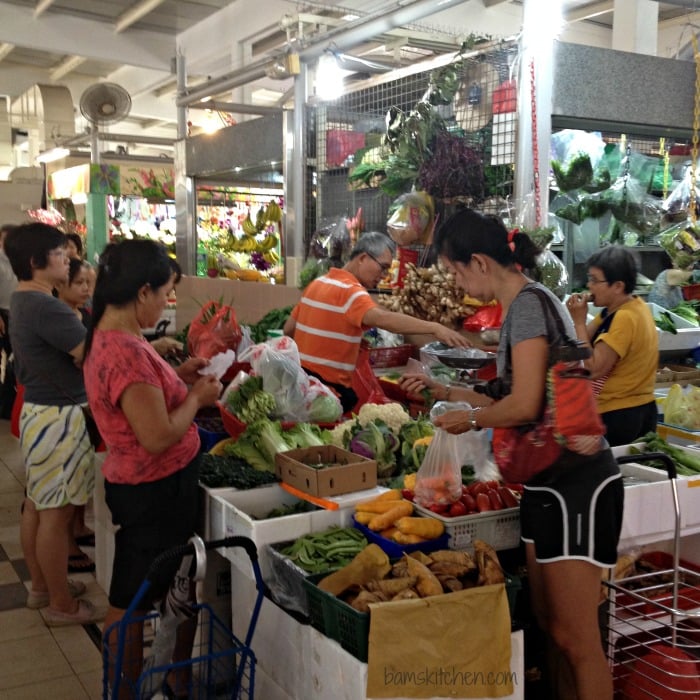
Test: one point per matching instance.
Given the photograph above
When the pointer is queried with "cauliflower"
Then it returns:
(340, 435)
(393, 414)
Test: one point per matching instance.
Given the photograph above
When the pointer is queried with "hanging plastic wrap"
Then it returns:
(677, 205)
(682, 243)
(331, 241)
(411, 218)
(575, 155)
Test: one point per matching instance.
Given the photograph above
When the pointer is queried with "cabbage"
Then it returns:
(325, 408)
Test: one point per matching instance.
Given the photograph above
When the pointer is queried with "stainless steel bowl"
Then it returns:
(462, 358)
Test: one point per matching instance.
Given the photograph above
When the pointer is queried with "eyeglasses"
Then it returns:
(385, 267)
(593, 280)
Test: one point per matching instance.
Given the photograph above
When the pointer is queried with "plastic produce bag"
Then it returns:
(682, 243)
(331, 241)
(682, 407)
(439, 478)
(213, 330)
(551, 272)
(575, 155)
(677, 204)
(411, 218)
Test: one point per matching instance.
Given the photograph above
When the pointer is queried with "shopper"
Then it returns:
(625, 345)
(145, 412)
(48, 341)
(571, 512)
(335, 309)
(8, 282)
(74, 246)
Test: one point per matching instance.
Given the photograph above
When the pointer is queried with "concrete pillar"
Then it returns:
(636, 26)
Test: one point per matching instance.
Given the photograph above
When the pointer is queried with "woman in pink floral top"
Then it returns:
(145, 410)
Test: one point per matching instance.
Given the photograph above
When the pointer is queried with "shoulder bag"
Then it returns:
(570, 419)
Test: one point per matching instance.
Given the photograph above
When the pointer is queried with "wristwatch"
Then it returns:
(473, 425)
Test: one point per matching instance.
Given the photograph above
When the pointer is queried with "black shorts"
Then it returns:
(152, 518)
(573, 509)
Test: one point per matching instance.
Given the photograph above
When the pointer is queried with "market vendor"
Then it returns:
(328, 322)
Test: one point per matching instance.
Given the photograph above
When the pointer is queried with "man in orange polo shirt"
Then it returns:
(328, 322)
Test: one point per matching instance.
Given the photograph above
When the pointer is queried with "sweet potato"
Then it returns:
(454, 555)
(406, 594)
(389, 533)
(429, 528)
(391, 586)
(374, 506)
(427, 584)
(371, 563)
(381, 521)
(449, 583)
(364, 598)
(363, 517)
(487, 562)
(449, 568)
(402, 538)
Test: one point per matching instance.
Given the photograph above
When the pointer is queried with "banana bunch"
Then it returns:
(271, 256)
(260, 220)
(249, 228)
(273, 213)
(268, 243)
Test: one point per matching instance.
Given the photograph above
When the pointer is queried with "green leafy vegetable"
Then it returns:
(304, 435)
(249, 402)
(217, 471)
(272, 320)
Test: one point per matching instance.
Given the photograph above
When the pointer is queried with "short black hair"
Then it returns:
(618, 263)
(28, 245)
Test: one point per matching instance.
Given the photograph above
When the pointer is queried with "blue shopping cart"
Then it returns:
(220, 666)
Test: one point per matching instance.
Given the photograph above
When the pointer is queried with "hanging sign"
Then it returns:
(64, 184)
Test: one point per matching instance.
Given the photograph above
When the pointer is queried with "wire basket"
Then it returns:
(396, 356)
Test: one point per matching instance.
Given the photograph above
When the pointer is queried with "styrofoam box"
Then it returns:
(649, 514)
(212, 523)
(687, 337)
(242, 513)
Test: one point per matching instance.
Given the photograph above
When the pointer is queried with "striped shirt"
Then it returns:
(329, 325)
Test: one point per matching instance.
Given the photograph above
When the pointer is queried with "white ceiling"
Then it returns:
(133, 43)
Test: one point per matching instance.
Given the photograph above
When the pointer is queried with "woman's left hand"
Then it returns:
(188, 371)
(453, 422)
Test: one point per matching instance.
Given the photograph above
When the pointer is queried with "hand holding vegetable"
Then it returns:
(206, 390)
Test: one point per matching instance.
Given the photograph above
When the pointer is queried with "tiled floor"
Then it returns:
(36, 661)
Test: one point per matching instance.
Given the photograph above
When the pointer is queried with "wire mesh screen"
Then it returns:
(468, 159)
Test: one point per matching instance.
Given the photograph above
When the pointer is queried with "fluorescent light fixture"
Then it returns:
(52, 155)
(329, 77)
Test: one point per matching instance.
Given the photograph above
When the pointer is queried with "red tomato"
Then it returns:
(407, 494)
(508, 497)
(483, 503)
(465, 489)
(457, 509)
(469, 502)
(493, 484)
(439, 508)
(496, 502)
(478, 487)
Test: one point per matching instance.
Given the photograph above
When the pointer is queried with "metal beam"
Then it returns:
(5, 48)
(41, 7)
(235, 107)
(67, 65)
(346, 37)
(108, 137)
(589, 11)
(135, 13)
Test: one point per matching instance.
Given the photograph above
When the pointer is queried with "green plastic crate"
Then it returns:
(349, 627)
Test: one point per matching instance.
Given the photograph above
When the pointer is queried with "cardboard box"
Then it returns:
(348, 472)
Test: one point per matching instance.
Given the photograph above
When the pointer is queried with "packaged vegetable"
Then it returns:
(411, 218)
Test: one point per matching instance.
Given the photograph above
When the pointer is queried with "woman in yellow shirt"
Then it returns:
(625, 345)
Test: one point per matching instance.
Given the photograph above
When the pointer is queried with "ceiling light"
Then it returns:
(52, 155)
(329, 77)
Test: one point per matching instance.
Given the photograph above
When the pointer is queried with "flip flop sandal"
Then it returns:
(86, 540)
(80, 564)
(40, 599)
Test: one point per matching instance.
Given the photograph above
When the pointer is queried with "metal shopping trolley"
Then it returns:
(220, 666)
(652, 629)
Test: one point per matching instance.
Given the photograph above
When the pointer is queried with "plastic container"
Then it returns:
(499, 528)
(349, 627)
(396, 550)
(396, 356)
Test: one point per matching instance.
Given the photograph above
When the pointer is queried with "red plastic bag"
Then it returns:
(365, 383)
(213, 330)
(17, 410)
(485, 317)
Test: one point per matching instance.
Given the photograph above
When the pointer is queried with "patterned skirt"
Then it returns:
(58, 455)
